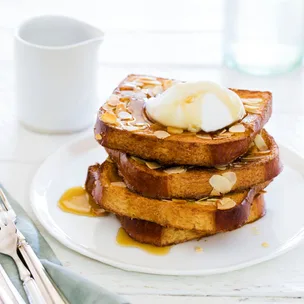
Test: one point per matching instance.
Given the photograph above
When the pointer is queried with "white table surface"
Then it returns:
(277, 281)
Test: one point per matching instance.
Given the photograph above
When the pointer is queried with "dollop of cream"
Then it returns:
(196, 106)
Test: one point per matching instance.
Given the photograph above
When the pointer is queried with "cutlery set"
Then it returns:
(38, 286)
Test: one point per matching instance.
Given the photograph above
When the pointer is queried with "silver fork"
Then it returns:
(8, 246)
(38, 272)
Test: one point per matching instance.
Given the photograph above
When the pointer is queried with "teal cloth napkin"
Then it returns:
(76, 289)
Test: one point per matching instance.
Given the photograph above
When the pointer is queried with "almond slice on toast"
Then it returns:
(155, 234)
(182, 214)
(194, 181)
(188, 148)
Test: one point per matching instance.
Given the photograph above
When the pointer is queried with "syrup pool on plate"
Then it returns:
(77, 201)
(123, 239)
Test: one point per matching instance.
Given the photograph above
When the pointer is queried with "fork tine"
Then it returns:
(7, 205)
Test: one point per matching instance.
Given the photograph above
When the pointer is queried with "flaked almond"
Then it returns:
(173, 130)
(118, 184)
(220, 183)
(222, 168)
(203, 199)
(138, 160)
(204, 136)
(130, 128)
(153, 91)
(113, 100)
(109, 160)
(213, 199)
(124, 98)
(141, 126)
(224, 135)
(153, 82)
(138, 83)
(252, 100)
(222, 132)
(238, 128)
(153, 165)
(237, 165)
(109, 118)
(194, 128)
(161, 134)
(125, 115)
(121, 108)
(140, 95)
(252, 109)
(175, 170)
(127, 93)
(226, 203)
(128, 86)
(108, 108)
(146, 78)
(261, 152)
(215, 193)
(98, 136)
(231, 176)
(260, 143)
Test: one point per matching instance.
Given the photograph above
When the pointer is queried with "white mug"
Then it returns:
(56, 73)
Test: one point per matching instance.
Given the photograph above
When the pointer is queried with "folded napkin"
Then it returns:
(76, 289)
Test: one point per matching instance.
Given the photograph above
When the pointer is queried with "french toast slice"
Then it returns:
(155, 234)
(123, 125)
(208, 214)
(156, 181)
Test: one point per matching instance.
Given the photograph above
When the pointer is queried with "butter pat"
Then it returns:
(196, 106)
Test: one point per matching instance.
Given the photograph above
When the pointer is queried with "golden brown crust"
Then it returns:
(194, 183)
(184, 148)
(155, 234)
(179, 214)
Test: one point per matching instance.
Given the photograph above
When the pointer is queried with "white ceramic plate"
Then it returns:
(282, 228)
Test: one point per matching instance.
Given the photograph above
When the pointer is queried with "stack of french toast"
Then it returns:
(169, 185)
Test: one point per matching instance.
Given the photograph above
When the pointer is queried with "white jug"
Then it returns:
(56, 73)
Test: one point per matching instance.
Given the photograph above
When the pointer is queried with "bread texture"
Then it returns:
(135, 134)
(155, 234)
(254, 168)
(109, 191)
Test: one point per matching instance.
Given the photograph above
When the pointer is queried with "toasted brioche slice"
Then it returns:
(211, 214)
(193, 182)
(155, 234)
(123, 125)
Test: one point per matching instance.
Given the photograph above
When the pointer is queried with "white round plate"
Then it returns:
(281, 228)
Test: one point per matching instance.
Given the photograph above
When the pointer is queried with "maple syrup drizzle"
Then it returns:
(123, 239)
(77, 201)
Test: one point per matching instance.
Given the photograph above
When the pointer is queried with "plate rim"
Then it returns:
(66, 241)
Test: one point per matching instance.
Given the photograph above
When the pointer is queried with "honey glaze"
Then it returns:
(123, 239)
(77, 201)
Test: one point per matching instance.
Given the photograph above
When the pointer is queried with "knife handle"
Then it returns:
(51, 294)
(32, 291)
